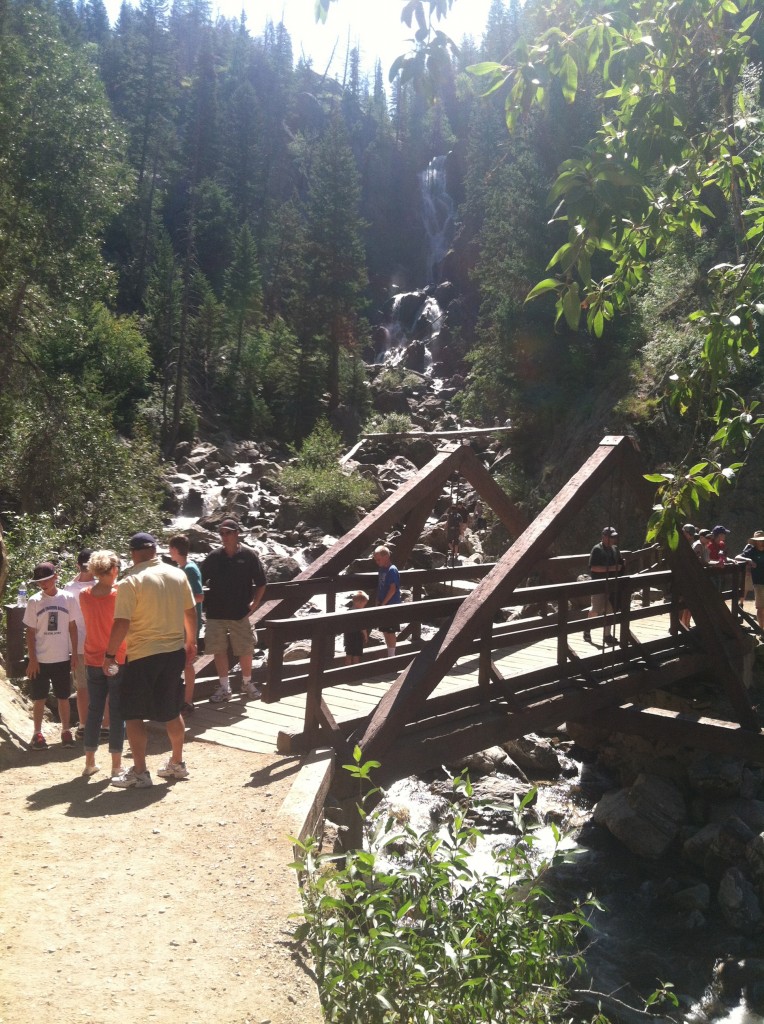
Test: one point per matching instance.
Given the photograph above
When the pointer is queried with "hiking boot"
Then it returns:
(173, 770)
(252, 690)
(130, 777)
(67, 740)
(38, 742)
(222, 694)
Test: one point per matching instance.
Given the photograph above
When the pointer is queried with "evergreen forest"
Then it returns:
(199, 234)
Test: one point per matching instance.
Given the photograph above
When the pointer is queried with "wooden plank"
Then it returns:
(682, 728)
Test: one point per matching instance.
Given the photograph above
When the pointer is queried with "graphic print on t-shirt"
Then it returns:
(53, 621)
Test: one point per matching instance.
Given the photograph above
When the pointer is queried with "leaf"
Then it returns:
(571, 306)
(569, 78)
(549, 284)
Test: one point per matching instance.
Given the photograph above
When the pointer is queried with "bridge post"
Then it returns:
(484, 663)
(562, 631)
(274, 666)
(318, 650)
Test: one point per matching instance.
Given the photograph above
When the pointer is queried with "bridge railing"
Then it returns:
(552, 611)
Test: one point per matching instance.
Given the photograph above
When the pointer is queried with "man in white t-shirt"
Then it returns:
(50, 619)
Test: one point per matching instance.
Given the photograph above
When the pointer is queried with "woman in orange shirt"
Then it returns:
(97, 605)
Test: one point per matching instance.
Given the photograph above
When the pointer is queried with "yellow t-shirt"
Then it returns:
(154, 597)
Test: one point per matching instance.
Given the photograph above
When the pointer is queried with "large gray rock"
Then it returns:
(646, 817)
(280, 568)
(535, 755)
(739, 904)
(716, 777)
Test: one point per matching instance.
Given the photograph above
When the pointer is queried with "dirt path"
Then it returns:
(168, 904)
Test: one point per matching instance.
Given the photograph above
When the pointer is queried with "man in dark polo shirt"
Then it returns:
(234, 583)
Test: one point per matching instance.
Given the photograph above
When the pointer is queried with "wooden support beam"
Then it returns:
(720, 636)
(406, 696)
(425, 746)
(369, 530)
(681, 728)
(475, 473)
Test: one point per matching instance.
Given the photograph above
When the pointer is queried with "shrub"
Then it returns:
(412, 929)
(390, 423)
(325, 495)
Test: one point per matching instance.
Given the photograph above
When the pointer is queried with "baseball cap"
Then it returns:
(609, 531)
(229, 524)
(84, 556)
(43, 571)
(720, 529)
(140, 541)
(689, 528)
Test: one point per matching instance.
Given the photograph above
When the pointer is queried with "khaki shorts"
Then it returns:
(758, 590)
(601, 605)
(218, 631)
(80, 674)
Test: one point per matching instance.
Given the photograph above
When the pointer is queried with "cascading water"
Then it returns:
(437, 215)
(416, 318)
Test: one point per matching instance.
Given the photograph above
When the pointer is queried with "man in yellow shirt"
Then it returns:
(156, 612)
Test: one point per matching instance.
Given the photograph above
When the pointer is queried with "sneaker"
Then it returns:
(79, 732)
(251, 690)
(187, 709)
(173, 770)
(610, 640)
(587, 636)
(67, 739)
(221, 695)
(130, 777)
(38, 742)
(90, 769)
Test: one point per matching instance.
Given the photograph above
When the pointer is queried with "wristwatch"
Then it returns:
(109, 657)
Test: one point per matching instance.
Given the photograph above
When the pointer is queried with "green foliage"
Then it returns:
(398, 378)
(62, 457)
(677, 155)
(412, 929)
(389, 423)
(32, 538)
(324, 493)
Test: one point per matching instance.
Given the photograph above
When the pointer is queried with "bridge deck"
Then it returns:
(255, 726)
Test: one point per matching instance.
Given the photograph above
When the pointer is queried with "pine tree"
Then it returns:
(337, 262)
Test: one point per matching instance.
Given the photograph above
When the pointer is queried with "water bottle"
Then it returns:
(21, 599)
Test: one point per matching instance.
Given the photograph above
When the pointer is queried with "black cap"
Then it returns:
(229, 524)
(609, 531)
(141, 541)
(84, 556)
(43, 571)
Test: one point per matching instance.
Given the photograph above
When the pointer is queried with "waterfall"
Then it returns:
(437, 214)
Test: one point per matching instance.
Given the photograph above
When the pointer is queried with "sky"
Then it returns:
(374, 26)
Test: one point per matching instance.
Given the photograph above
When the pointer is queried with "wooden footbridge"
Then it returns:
(491, 652)
(484, 657)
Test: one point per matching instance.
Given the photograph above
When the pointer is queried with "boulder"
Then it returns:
(535, 755)
(716, 777)
(280, 568)
(739, 904)
(646, 817)
(695, 897)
